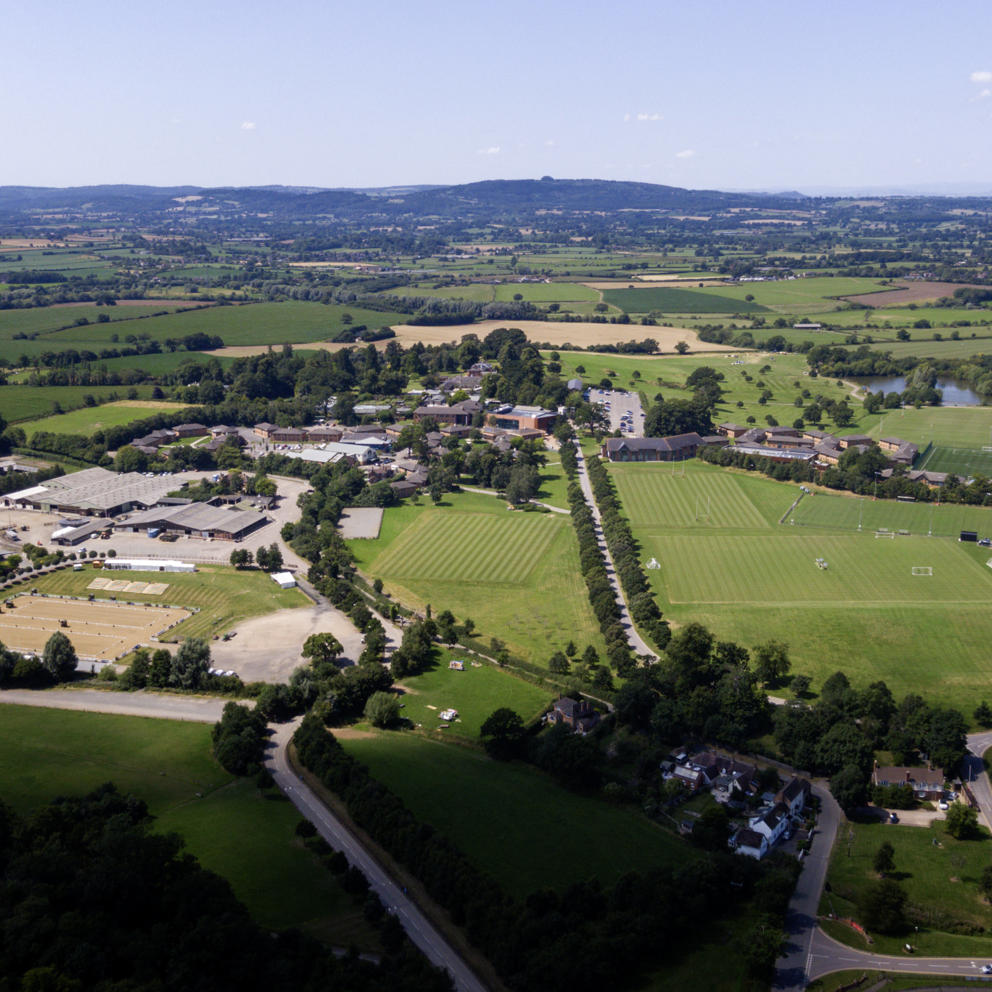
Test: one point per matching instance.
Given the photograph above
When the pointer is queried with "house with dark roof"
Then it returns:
(265, 429)
(654, 449)
(926, 783)
(575, 713)
(794, 795)
(190, 430)
(751, 843)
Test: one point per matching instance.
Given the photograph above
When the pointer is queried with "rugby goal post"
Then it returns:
(922, 570)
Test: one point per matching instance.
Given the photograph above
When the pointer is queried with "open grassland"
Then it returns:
(888, 319)
(947, 348)
(846, 512)
(781, 568)
(541, 292)
(519, 826)
(939, 874)
(750, 579)
(222, 595)
(515, 574)
(228, 825)
(19, 403)
(248, 324)
(474, 692)
(160, 364)
(44, 320)
(669, 300)
(89, 419)
(950, 427)
(787, 377)
(693, 494)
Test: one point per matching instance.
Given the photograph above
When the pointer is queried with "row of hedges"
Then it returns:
(625, 553)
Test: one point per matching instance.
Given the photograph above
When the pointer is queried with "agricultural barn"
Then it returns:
(656, 449)
(521, 417)
(94, 492)
(147, 565)
(197, 520)
(77, 533)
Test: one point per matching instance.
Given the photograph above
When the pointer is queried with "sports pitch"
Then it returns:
(101, 631)
(962, 462)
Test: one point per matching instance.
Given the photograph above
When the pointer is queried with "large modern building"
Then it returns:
(656, 449)
(522, 417)
(196, 520)
(95, 492)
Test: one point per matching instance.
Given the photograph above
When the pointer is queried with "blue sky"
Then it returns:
(726, 95)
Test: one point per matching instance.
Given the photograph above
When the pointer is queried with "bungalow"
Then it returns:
(927, 783)
(794, 795)
(575, 713)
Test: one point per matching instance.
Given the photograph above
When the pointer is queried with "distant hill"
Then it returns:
(492, 197)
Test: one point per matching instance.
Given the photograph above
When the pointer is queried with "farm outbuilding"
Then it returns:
(284, 580)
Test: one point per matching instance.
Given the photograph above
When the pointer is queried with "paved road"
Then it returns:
(828, 955)
(417, 926)
(637, 643)
(974, 773)
(800, 920)
(200, 709)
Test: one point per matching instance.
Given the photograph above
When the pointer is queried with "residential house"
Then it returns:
(794, 795)
(575, 713)
(773, 823)
(926, 783)
(751, 843)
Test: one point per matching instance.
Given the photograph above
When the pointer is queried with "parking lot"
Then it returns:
(624, 409)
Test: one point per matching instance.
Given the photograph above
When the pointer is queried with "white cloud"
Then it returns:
(247, 125)
(649, 117)
(984, 94)
(550, 143)
(491, 150)
(981, 76)
(685, 153)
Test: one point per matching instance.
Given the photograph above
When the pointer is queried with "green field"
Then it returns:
(938, 873)
(223, 596)
(677, 301)
(474, 692)
(19, 403)
(44, 320)
(962, 462)
(512, 820)
(515, 574)
(248, 324)
(951, 427)
(846, 512)
(964, 348)
(749, 579)
(89, 419)
(228, 825)
(781, 568)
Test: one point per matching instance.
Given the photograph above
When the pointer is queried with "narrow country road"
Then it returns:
(637, 643)
(208, 710)
(800, 920)
(809, 952)
(419, 929)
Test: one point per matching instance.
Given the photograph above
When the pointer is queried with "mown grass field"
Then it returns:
(19, 403)
(248, 324)
(44, 320)
(952, 427)
(963, 462)
(947, 348)
(750, 579)
(86, 420)
(938, 873)
(677, 301)
(781, 568)
(519, 825)
(844, 512)
(475, 693)
(223, 596)
(515, 574)
(227, 824)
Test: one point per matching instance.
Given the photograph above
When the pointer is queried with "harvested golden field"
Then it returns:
(910, 292)
(555, 333)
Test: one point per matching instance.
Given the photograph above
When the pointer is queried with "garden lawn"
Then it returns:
(475, 693)
(228, 825)
(510, 819)
(89, 419)
(515, 574)
(222, 595)
(938, 873)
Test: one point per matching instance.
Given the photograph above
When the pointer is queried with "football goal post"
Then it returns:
(885, 533)
(922, 570)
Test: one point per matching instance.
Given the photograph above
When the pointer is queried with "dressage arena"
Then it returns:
(98, 630)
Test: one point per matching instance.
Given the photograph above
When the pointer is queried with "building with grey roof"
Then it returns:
(97, 492)
(197, 520)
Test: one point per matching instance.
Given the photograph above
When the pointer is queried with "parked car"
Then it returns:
(893, 818)
(942, 805)
(987, 969)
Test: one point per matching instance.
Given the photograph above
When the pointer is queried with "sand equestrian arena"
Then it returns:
(98, 630)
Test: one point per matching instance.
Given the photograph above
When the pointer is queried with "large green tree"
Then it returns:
(59, 657)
